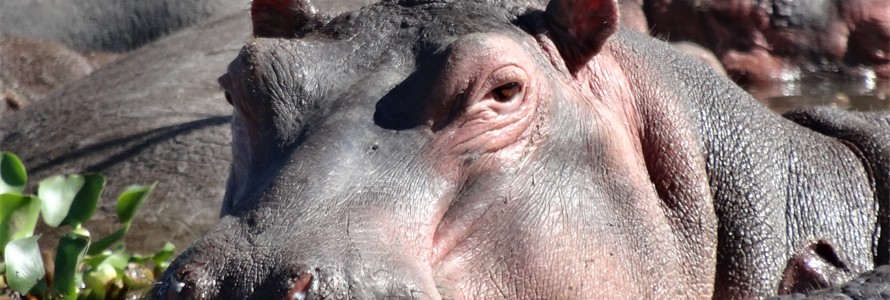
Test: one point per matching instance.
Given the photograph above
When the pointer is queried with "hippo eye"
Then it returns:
(224, 82)
(507, 92)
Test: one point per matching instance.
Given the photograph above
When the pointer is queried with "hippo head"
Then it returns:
(447, 149)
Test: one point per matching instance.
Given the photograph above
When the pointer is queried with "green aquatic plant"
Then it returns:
(81, 268)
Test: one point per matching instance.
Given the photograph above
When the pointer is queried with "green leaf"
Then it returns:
(24, 267)
(81, 231)
(12, 174)
(97, 247)
(130, 200)
(162, 257)
(56, 195)
(97, 280)
(70, 253)
(86, 200)
(118, 259)
(93, 260)
(18, 217)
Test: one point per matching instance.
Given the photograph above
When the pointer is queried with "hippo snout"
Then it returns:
(227, 266)
(195, 280)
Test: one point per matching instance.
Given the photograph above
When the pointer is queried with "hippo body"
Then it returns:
(103, 25)
(47, 44)
(21, 82)
(32, 69)
(494, 149)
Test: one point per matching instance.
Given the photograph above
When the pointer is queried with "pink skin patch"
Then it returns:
(298, 291)
(488, 248)
(496, 94)
(582, 21)
(479, 70)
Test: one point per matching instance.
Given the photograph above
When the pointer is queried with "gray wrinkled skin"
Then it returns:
(107, 25)
(333, 175)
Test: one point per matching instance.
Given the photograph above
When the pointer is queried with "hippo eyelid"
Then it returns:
(503, 86)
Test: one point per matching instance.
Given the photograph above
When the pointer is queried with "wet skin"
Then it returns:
(452, 150)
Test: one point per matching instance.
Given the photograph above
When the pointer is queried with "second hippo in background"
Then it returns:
(47, 44)
(763, 41)
(107, 25)
(632, 17)
(31, 69)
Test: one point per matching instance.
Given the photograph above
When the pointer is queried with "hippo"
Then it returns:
(30, 69)
(450, 149)
(632, 17)
(765, 41)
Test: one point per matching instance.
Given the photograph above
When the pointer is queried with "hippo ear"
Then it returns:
(581, 27)
(280, 18)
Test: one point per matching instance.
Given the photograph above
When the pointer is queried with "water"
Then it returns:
(863, 94)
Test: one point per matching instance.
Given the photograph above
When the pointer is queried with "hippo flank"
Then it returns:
(107, 25)
(31, 69)
(499, 149)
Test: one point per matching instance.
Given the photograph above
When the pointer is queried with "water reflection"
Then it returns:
(865, 93)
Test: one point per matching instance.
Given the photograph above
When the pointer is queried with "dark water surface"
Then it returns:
(865, 93)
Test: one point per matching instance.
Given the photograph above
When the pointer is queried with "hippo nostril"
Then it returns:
(191, 281)
(177, 286)
(175, 289)
(300, 287)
